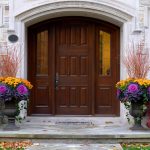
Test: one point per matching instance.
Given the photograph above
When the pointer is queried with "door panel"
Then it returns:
(39, 72)
(73, 69)
(106, 70)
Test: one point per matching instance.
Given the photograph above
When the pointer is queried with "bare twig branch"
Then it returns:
(137, 61)
(10, 62)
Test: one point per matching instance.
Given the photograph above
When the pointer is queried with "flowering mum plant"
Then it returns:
(133, 90)
(5, 92)
(11, 87)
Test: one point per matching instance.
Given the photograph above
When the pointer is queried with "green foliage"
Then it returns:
(135, 146)
(128, 106)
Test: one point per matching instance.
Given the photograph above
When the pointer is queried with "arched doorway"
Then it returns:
(73, 63)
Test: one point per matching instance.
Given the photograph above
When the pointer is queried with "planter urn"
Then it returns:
(137, 113)
(11, 111)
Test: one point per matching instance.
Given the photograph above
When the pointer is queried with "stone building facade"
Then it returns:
(131, 17)
(4, 22)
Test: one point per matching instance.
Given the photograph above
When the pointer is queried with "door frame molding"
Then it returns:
(52, 46)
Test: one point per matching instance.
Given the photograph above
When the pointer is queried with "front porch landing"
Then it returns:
(75, 130)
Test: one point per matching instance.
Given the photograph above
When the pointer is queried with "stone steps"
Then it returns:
(76, 139)
(75, 130)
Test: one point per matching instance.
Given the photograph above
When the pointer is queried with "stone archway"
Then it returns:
(116, 13)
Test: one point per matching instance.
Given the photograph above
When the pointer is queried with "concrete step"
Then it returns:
(60, 146)
(75, 130)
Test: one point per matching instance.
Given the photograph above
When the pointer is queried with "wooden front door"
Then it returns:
(73, 68)
(74, 65)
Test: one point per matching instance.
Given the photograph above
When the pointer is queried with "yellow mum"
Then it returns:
(141, 82)
(12, 81)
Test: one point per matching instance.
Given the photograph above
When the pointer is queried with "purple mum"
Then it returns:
(5, 92)
(148, 90)
(21, 89)
(3, 89)
(132, 88)
(118, 93)
(21, 92)
(133, 92)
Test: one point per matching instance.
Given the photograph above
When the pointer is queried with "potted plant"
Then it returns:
(135, 94)
(134, 91)
(12, 91)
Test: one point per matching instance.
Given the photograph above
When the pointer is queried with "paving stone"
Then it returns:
(59, 146)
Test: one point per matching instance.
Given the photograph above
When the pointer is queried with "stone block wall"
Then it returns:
(8, 21)
(144, 20)
(4, 23)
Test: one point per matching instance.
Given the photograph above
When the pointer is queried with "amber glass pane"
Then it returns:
(104, 54)
(42, 52)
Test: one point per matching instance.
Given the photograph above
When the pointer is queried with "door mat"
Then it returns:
(75, 124)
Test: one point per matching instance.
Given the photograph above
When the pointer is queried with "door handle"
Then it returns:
(57, 81)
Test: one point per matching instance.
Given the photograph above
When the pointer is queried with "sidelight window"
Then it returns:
(104, 53)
